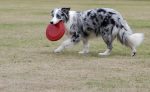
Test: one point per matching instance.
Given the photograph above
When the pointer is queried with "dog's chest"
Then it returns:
(68, 25)
(72, 20)
(69, 31)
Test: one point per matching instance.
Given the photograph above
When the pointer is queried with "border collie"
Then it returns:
(104, 22)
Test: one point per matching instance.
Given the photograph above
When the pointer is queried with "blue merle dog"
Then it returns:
(104, 22)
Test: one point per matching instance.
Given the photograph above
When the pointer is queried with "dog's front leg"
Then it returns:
(66, 44)
(85, 49)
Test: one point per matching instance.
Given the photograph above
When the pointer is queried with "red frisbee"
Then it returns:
(55, 31)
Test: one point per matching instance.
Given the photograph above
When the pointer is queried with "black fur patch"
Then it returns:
(111, 13)
(88, 13)
(117, 25)
(105, 23)
(66, 18)
(84, 19)
(94, 23)
(112, 29)
(112, 21)
(62, 14)
(96, 19)
(66, 10)
(85, 34)
(101, 10)
(102, 33)
(107, 30)
(89, 28)
(52, 13)
(75, 37)
(93, 16)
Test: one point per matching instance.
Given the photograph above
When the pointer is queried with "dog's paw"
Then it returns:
(83, 52)
(57, 51)
(104, 54)
(133, 54)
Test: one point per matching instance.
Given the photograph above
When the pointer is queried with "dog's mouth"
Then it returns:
(56, 23)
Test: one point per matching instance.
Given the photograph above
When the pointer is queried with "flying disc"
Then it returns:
(55, 32)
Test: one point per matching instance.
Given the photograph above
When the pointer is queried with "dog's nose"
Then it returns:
(51, 22)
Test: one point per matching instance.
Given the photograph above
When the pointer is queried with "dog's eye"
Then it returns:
(62, 14)
(58, 16)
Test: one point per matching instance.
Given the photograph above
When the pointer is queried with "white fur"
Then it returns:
(136, 39)
(107, 52)
(85, 49)
(66, 44)
(70, 21)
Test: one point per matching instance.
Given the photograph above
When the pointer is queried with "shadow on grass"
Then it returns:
(92, 54)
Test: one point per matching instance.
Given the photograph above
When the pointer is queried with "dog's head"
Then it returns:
(60, 14)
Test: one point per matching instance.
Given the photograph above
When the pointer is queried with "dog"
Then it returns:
(99, 22)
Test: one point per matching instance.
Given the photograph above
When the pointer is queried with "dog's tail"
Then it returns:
(126, 37)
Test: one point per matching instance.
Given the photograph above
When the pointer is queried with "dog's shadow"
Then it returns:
(69, 54)
(90, 54)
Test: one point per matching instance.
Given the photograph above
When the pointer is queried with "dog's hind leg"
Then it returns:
(133, 51)
(85, 49)
(108, 40)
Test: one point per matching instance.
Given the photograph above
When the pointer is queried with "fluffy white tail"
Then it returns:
(130, 39)
(135, 39)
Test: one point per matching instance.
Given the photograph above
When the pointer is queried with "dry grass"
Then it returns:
(28, 64)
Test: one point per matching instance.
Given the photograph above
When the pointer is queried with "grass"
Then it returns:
(27, 61)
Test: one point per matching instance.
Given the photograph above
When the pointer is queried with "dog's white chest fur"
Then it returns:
(72, 15)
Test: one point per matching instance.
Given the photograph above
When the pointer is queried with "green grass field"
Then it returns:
(28, 64)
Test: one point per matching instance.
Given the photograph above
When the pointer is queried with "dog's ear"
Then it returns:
(52, 11)
(66, 10)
